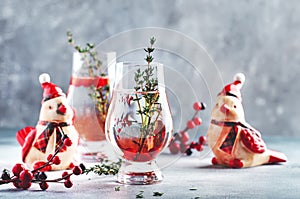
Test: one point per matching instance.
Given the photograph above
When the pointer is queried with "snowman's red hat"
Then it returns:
(50, 90)
(234, 88)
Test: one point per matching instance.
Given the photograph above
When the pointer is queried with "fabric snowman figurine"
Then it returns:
(53, 128)
(233, 141)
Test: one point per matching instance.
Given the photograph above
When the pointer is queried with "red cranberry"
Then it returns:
(68, 183)
(199, 147)
(197, 121)
(26, 176)
(174, 148)
(25, 184)
(56, 160)
(202, 139)
(68, 142)
(49, 157)
(17, 169)
(184, 136)
(77, 170)
(191, 124)
(44, 185)
(197, 106)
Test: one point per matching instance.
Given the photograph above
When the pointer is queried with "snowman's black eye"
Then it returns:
(234, 106)
(50, 107)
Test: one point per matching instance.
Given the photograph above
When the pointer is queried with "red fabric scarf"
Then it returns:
(43, 139)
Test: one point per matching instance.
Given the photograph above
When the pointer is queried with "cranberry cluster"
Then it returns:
(23, 178)
(180, 141)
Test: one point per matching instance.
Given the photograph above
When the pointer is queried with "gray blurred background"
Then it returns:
(259, 38)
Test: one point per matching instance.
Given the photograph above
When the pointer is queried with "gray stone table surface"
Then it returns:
(184, 177)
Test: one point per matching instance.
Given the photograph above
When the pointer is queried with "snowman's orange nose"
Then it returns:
(224, 108)
(61, 109)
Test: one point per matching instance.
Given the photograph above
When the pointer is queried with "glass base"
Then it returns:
(92, 157)
(92, 151)
(137, 173)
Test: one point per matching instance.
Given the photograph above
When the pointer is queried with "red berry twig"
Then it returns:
(23, 178)
(180, 140)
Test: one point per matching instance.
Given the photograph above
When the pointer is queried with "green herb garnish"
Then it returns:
(140, 195)
(156, 193)
(147, 90)
(107, 168)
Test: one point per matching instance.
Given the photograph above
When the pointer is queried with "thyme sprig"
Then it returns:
(147, 91)
(106, 168)
(91, 59)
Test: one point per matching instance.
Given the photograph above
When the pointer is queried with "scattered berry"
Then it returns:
(191, 124)
(17, 169)
(26, 176)
(77, 170)
(193, 145)
(71, 165)
(49, 157)
(56, 160)
(23, 178)
(68, 183)
(197, 106)
(184, 136)
(16, 184)
(199, 147)
(44, 185)
(197, 121)
(179, 142)
(174, 147)
(64, 175)
(183, 148)
(41, 166)
(202, 139)
(68, 142)
(25, 184)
